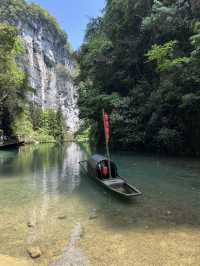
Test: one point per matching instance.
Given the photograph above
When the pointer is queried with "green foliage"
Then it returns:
(49, 121)
(195, 40)
(84, 135)
(12, 9)
(164, 56)
(59, 130)
(140, 62)
(42, 136)
(37, 125)
(13, 82)
(36, 116)
(23, 128)
(160, 11)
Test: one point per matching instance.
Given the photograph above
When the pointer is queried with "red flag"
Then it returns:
(106, 126)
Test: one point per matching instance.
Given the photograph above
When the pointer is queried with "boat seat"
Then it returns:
(114, 181)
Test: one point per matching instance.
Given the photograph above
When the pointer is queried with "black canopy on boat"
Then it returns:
(97, 159)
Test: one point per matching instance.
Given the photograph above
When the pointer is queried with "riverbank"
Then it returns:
(84, 136)
(49, 127)
(42, 137)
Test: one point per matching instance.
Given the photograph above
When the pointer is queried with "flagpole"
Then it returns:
(107, 148)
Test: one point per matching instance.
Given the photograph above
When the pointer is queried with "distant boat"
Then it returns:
(97, 167)
(11, 145)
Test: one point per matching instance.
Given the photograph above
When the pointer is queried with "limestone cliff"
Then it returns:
(47, 60)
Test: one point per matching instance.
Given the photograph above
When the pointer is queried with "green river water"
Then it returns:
(47, 202)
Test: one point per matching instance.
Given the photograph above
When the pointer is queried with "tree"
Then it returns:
(13, 82)
(140, 61)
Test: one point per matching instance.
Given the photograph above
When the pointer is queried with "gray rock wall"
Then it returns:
(51, 68)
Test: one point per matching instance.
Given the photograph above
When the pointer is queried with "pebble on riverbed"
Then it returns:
(93, 214)
(30, 224)
(34, 252)
(62, 217)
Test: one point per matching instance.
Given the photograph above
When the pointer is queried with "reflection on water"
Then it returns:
(46, 201)
(36, 188)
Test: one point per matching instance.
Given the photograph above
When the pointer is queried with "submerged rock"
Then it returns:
(62, 217)
(30, 224)
(34, 252)
(93, 214)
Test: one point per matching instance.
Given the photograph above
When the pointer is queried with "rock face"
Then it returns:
(50, 69)
(48, 61)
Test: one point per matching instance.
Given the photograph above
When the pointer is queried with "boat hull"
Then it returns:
(14, 145)
(123, 190)
(118, 185)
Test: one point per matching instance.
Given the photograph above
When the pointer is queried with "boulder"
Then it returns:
(34, 252)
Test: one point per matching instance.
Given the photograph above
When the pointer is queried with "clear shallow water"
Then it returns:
(43, 186)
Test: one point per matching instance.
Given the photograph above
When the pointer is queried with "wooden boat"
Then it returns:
(113, 181)
(11, 145)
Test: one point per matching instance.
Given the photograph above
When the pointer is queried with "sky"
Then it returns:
(73, 15)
